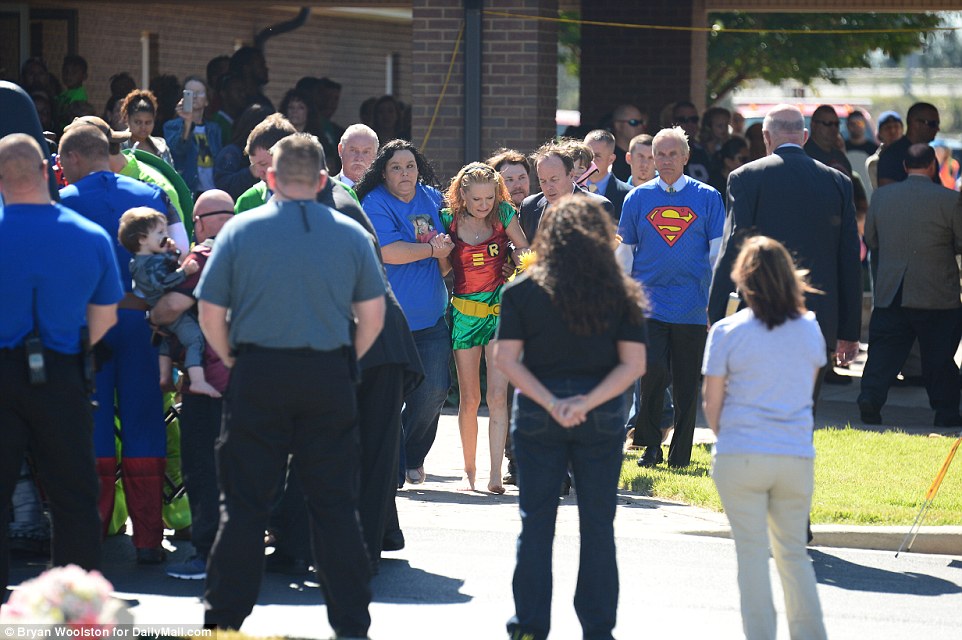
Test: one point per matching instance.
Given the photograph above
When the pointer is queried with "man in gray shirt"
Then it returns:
(305, 295)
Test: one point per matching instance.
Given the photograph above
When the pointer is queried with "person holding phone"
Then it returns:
(193, 143)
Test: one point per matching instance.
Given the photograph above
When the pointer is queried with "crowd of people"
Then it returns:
(297, 275)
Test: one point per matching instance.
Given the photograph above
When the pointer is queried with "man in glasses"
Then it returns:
(685, 115)
(825, 146)
(199, 415)
(922, 121)
(627, 122)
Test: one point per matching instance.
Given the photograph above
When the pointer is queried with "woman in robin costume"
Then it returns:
(481, 221)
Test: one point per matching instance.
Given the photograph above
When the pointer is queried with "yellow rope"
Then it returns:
(664, 27)
(444, 88)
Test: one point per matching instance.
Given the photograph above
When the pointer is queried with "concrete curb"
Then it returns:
(946, 540)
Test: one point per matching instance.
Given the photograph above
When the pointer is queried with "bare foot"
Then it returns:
(204, 389)
(467, 482)
(495, 487)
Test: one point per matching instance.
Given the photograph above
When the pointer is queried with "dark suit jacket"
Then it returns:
(808, 207)
(534, 205)
(615, 191)
(915, 229)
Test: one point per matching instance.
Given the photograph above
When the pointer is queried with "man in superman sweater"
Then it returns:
(671, 230)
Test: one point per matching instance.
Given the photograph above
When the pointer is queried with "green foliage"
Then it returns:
(861, 478)
(735, 57)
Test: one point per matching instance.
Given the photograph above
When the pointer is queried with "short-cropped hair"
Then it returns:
(87, 141)
(644, 139)
(600, 135)
(298, 159)
(269, 132)
(136, 224)
(919, 156)
(672, 133)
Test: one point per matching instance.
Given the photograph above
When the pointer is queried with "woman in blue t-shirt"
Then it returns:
(400, 197)
(760, 368)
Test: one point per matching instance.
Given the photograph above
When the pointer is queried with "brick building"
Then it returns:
(502, 86)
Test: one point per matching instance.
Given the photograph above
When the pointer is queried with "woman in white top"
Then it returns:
(760, 367)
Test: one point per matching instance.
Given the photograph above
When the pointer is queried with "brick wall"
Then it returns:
(641, 67)
(519, 86)
(350, 51)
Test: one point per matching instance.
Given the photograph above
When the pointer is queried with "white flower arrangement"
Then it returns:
(66, 596)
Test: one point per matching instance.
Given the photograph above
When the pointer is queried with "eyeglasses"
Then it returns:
(688, 120)
(932, 124)
(633, 122)
(827, 123)
(214, 213)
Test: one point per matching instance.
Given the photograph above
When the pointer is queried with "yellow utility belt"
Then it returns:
(476, 309)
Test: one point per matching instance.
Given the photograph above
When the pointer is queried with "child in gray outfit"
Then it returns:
(155, 271)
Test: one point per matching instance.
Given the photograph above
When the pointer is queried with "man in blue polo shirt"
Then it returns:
(58, 275)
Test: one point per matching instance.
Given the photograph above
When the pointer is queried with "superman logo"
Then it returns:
(671, 223)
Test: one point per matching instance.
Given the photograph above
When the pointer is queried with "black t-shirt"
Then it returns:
(868, 146)
(550, 349)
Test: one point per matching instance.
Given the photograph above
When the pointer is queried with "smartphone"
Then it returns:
(188, 101)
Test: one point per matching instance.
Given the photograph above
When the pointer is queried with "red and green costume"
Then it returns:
(477, 280)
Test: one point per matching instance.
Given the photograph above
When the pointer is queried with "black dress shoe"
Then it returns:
(283, 563)
(948, 421)
(393, 541)
(652, 456)
(869, 413)
(151, 555)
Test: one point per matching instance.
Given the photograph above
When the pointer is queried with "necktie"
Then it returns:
(592, 187)
(671, 189)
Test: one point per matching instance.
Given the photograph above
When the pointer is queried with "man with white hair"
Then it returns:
(357, 149)
(671, 229)
(808, 207)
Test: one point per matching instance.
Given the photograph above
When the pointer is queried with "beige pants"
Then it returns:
(767, 499)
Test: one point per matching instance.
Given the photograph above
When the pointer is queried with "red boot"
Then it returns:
(107, 472)
(144, 487)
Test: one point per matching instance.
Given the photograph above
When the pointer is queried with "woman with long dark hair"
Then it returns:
(399, 193)
(481, 221)
(571, 340)
(760, 369)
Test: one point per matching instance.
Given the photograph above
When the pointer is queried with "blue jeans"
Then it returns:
(422, 407)
(543, 450)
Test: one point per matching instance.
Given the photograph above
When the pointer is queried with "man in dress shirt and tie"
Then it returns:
(604, 182)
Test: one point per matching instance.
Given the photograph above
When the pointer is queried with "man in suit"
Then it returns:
(603, 182)
(554, 168)
(916, 288)
(809, 208)
(357, 149)
(627, 121)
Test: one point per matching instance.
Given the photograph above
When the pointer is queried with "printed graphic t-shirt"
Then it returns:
(205, 159)
(418, 285)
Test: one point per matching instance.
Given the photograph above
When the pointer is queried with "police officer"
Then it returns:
(299, 280)
(60, 284)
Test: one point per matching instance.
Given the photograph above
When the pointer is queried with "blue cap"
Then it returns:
(888, 116)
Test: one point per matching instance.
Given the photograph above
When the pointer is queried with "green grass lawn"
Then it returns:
(861, 478)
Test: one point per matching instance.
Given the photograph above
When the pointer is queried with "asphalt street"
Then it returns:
(453, 579)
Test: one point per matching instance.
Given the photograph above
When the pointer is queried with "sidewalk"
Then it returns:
(906, 410)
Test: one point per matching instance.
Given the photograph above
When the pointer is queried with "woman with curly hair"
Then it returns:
(481, 221)
(571, 340)
(760, 369)
(139, 110)
(399, 194)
